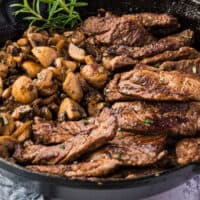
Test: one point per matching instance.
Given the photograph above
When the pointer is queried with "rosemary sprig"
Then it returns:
(60, 13)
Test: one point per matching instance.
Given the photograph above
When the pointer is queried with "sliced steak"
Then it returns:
(153, 19)
(189, 66)
(126, 149)
(98, 168)
(74, 147)
(172, 42)
(188, 150)
(149, 83)
(119, 62)
(117, 30)
(111, 91)
(156, 117)
(51, 133)
(133, 150)
(182, 53)
(98, 25)
(129, 173)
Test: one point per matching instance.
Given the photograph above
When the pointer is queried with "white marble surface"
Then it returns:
(188, 191)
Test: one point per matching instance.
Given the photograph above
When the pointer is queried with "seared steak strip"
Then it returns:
(190, 65)
(126, 149)
(182, 53)
(153, 19)
(99, 25)
(98, 168)
(154, 117)
(119, 62)
(149, 83)
(74, 147)
(117, 30)
(172, 42)
(188, 150)
(111, 90)
(51, 133)
(133, 150)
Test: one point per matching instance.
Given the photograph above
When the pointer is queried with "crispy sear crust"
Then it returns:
(115, 98)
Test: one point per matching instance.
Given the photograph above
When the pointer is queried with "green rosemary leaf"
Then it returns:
(60, 14)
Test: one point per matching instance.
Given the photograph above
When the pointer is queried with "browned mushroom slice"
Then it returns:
(46, 83)
(46, 55)
(24, 90)
(72, 87)
(3, 70)
(6, 124)
(95, 74)
(37, 38)
(76, 53)
(32, 68)
(69, 109)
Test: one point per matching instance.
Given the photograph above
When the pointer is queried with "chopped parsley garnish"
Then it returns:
(40, 76)
(157, 65)
(148, 121)
(4, 120)
(120, 156)
(194, 70)
(85, 121)
(119, 129)
(62, 146)
(162, 79)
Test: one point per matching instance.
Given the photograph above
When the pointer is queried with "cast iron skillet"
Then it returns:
(188, 12)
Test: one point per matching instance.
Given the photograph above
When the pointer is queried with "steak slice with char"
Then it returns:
(189, 65)
(119, 62)
(154, 19)
(149, 83)
(117, 30)
(172, 42)
(98, 168)
(74, 147)
(188, 151)
(132, 149)
(182, 53)
(111, 91)
(99, 25)
(51, 133)
(126, 149)
(172, 118)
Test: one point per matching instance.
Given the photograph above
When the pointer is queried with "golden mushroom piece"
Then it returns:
(31, 68)
(76, 53)
(1, 87)
(6, 124)
(71, 110)
(45, 83)
(46, 55)
(23, 90)
(3, 70)
(72, 86)
(95, 74)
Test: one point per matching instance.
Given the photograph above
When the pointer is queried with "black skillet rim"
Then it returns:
(17, 170)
